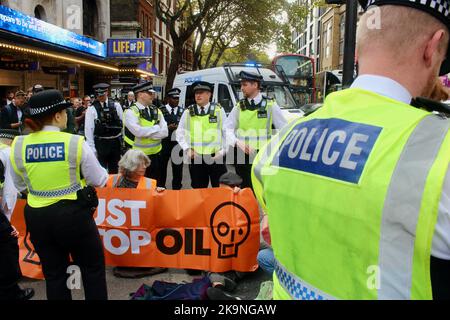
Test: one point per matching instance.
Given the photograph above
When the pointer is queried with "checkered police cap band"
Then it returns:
(39, 110)
(10, 136)
(438, 8)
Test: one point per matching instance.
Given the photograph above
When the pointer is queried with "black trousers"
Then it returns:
(9, 262)
(109, 153)
(203, 170)
(154, 170)
(177, 168)
(63, 229)
(440, 278)
(243, 165)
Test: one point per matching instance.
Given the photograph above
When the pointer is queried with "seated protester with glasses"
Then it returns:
(132, 168)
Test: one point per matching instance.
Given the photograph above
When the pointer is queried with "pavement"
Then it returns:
(120, 288)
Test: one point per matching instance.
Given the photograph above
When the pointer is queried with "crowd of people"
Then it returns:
(114, 145)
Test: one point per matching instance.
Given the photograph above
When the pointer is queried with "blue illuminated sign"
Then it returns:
(332, 148)
(19, 23)
(129, 48)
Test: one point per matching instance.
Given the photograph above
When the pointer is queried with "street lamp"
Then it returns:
(351, 18)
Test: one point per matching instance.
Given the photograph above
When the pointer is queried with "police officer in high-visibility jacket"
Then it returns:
(202, 136)
(145, 127)
(250, 124)
(357, 193)
(59, 171)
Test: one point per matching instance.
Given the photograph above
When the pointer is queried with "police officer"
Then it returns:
(145, 127)
(59, 170)
(172, 113)
(250, 124)
(202, 137)
(103, 128)
(357, 193)
(9, 248)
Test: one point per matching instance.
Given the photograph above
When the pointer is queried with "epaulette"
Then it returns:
(431, 106)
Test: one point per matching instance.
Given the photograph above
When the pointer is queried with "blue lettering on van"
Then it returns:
(193, 79)
(332, 148)
(46, 152)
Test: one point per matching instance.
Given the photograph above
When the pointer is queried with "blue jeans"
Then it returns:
(266, 260)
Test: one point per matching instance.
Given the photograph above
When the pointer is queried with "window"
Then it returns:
(90, 18)
(225, 98)
(311, 32)
(144, 25)
(39, 13)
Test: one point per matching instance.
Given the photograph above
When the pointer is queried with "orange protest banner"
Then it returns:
(205, 229)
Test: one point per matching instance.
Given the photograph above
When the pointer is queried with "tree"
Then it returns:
(182, 22)
(241, 26)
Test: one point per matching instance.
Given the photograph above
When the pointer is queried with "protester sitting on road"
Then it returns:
(132, 167)
(226, 281)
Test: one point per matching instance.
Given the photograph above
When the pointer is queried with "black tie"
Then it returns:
(252, 104)
(147, 112)
(173, 112)
(202, 112)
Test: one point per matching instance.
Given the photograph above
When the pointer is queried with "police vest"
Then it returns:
(2, 168)
(255, 126)
(108, 123)
(352, 193)
(205, 130)
(147, 145)
(144, 183)
(49, 163)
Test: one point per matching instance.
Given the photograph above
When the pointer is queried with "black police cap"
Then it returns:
(174, 93)
(46, 102)
(230, 179)
(250, 76)
(440, 9)
(37, 88)
(9, 134)
(141, 87)
(202, 85)
(101, 88)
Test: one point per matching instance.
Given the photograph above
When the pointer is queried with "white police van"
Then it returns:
(227, 87)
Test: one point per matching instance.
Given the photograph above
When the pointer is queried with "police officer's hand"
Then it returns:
(191, 154)
(245, 147)
(173, 126)
(15, 233)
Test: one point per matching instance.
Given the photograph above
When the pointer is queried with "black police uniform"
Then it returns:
(169, 144)
(107, 132)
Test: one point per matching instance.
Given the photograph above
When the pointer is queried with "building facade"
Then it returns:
(137, 19)
(322, 37)
(52, 41)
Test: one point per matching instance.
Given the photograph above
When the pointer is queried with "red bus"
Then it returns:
(300, 71)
